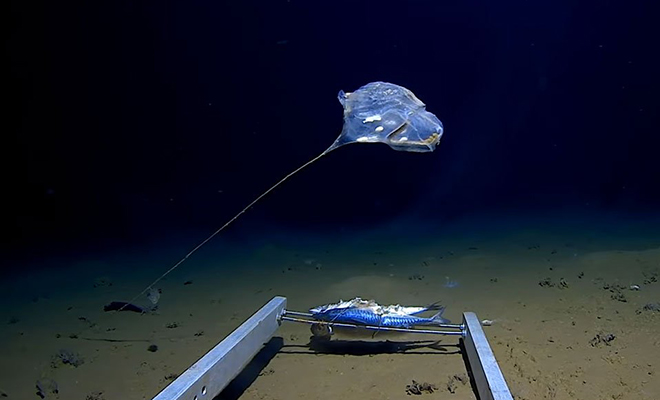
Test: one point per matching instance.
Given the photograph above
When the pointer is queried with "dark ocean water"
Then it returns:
(135, 130)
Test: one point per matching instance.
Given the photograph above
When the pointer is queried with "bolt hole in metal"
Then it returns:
(203, 393)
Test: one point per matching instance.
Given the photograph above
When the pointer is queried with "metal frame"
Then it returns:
(487, 375)
(207, 377)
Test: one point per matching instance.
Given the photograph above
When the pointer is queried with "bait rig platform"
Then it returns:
(207, 377)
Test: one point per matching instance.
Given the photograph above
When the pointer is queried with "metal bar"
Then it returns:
(488, 377)
(377, 328)
(297, 313)
(215, 370)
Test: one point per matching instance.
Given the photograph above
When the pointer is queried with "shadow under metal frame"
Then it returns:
(207, 377)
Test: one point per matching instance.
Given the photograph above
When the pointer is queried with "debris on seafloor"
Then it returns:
(98, 395)
(170, 377)
(124, 306)
(46, 387)
(417, 388)
(67, 357)
(546, 282)
(153, 295)
(649, 307)
(616, 291)
(454, 379)
(601, 338)
(651, 277)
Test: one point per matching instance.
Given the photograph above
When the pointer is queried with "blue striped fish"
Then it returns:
(375, 316)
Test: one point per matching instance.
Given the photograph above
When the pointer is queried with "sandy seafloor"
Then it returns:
(541, 335)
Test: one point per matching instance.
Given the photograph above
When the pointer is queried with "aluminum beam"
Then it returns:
(487, 375)
(216, 369)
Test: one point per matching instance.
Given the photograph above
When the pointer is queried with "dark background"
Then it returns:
(129, 120)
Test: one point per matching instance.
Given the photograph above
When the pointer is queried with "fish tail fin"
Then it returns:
(438, 318)
(434, 306)
(431, 307)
